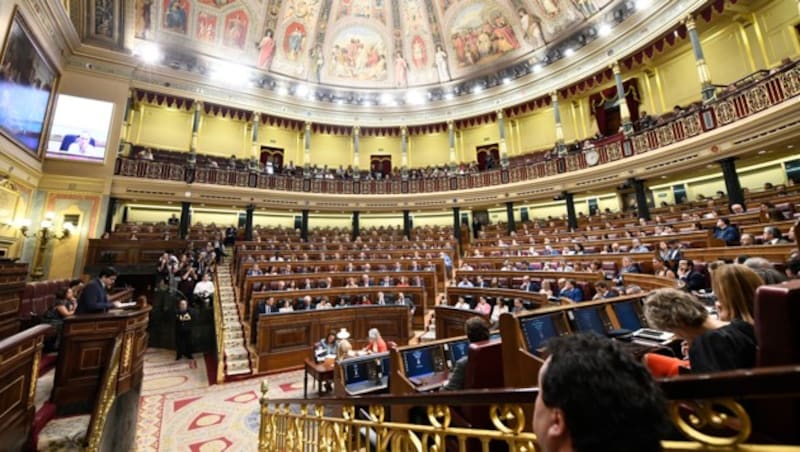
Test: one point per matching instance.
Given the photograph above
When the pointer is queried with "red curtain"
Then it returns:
(597, 102)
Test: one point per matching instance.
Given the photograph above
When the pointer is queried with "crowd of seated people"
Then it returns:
(278, 303)
(190, 272)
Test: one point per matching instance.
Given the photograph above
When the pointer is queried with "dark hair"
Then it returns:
(108, 272)
(601, 284)
(75, 282)
(607, 396)
(477, 329)
(61, 293)
(794, 265)
(726, 221)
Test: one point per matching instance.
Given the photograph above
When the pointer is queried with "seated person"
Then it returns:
(267, 306)
(477, 330)
(376, 343)
(64, 306)
(603, 291)
(483, 306)
(688, 277)
(204, 291)
(569, 416)
(714, 345)
(724, 231)
(498, 308)
(461, 304)
(571, 291)
(287, 306)
(326, 347)
(324, 303)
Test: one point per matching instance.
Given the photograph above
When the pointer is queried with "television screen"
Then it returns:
(537, 330)
(356, 372)
(458, 350)
(80, 129)
(628, 317)
(588, 320)
(385, 366)
(418, 361)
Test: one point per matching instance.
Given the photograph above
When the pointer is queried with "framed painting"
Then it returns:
(27, 86)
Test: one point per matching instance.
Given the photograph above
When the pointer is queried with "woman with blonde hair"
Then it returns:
(735, 288)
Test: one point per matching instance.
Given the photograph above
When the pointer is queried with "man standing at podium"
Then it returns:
(94, 297)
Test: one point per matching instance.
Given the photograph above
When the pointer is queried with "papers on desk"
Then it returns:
(128, 305)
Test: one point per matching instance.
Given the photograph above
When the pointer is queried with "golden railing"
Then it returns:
(108, 392)
(706, 410)
(219, 332)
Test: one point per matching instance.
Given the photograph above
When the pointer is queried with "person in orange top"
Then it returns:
(376, 342)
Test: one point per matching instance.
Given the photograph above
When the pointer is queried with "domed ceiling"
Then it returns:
(365, 43)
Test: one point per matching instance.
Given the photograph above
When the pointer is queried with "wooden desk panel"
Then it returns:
(285, 340)
(86, 345)
(450, 321)
(19, 369)
(12, 286)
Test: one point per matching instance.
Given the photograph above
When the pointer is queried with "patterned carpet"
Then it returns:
(179, 411)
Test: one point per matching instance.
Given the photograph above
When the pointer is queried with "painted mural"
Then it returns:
(143, 19)
(359, 53)
(176, 15)
(481, 33)
(236, 25)
(206, 27)
(104, 18)
(382, 43)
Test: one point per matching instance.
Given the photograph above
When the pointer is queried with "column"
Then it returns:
(248, 226)
(707, 89)
(255, 149)
(572, 219)
(407, 223)
(307, 151)
(732, 184)
(186, 220)
(404, 152)
(356, 135)
(113, 205)
(124, 136)
(642, 208)
(624, 113)
(304, 226)
(457, 227)
(451, 140)
(512, 226)
(198, 107)
(356, 229)
(501, 128)
(560, 149)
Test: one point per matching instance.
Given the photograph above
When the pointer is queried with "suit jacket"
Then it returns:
(574, 294)
(93, 299)
(730, 234)
(694, 280)
(457, 377)
(532, 286)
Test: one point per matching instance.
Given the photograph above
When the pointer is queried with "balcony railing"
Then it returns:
(730, 107)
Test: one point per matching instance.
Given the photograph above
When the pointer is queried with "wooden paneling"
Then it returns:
(86, 345)
(12, 284)
(284, 340)
(19, 367)
(450, 321)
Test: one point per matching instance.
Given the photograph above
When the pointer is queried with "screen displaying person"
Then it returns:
(82, 145)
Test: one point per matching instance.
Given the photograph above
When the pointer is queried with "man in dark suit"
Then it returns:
(477, 329)
(528, 285)
(724, 231)
(94, 297)
(688, 277)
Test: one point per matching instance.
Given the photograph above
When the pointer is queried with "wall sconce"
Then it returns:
(44, 235)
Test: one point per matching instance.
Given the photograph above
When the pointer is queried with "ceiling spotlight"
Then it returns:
(149, 53)
(506, 80)
(448, 96)
(301, 91)
(477, 89)
(415, 98)
(643, 4)
(282, 91)
(387, 99)
(569, 52)
(230, 73)
(604, 29)
(537, 68)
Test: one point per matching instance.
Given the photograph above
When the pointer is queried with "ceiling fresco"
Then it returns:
(365, 43)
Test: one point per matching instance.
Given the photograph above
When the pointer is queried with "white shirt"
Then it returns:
(496, 313)
(204, 287)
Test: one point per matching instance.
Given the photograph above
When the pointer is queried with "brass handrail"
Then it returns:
(108, 393)
(706, 409)
(219, 331)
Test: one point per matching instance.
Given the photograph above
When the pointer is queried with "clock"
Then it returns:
(592, 157)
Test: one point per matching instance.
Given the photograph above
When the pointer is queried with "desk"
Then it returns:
(320, 371)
